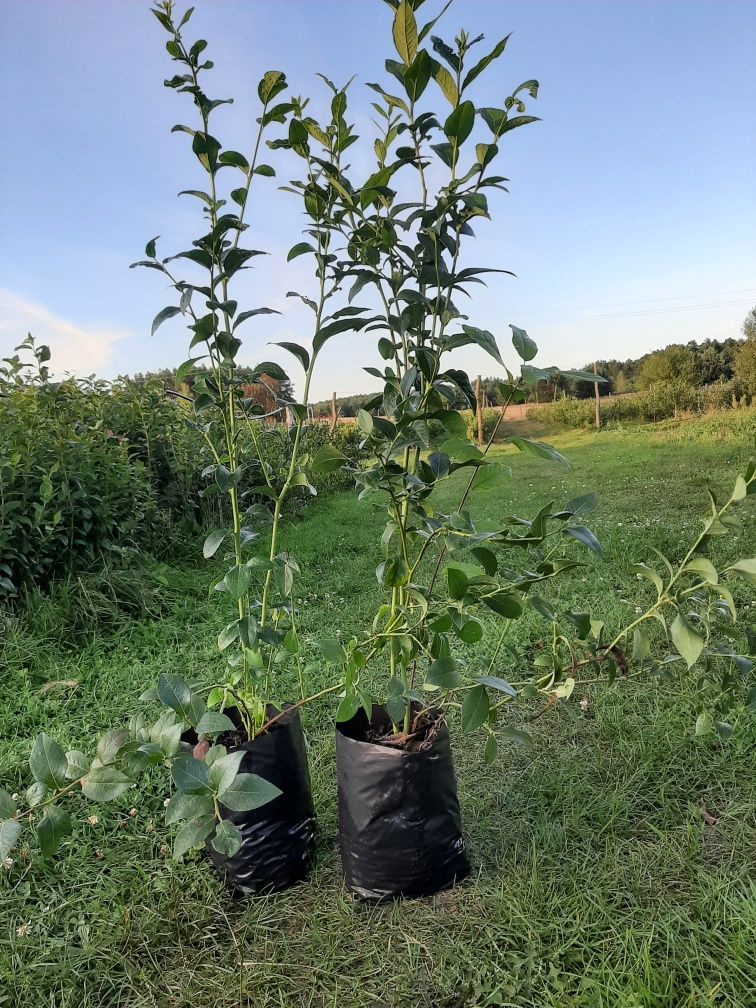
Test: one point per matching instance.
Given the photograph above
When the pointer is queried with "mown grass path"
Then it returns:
(596, 883)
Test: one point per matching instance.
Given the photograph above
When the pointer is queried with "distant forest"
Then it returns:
(693, 364)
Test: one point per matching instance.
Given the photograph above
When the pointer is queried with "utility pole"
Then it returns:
(479, 410)
(598, 402)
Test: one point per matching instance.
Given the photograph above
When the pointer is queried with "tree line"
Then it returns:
(692, 364)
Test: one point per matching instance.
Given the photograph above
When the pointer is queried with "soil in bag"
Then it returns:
(400, 829)
(278, 838)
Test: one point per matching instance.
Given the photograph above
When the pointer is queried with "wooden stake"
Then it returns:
(333, 414)
(479, 410)
(598, 400)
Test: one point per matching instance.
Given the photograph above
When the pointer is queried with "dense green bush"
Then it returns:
(272, 440)
(155, 432)
(92, 472)
(661, 401)
(347, 437)
(718, 426)
(490, 417)
(70, 494)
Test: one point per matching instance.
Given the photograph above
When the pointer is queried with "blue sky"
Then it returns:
(632, 208)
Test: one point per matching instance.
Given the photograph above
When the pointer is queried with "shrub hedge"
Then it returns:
(661, 401)
(93, 472)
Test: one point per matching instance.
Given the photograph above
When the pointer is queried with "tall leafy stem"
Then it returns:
(410, 254)
(228, 421)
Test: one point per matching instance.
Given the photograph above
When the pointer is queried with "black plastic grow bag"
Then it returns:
(399, 823)
(277, 838)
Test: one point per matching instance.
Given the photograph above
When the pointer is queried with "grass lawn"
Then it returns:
(596, 881)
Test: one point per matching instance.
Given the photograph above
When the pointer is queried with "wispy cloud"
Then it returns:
(76, 349)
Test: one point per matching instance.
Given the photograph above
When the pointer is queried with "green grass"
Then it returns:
(596, 882)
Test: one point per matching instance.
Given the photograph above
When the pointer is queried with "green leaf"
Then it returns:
(299, 249)
(334, 328)
(52, 829)
(110, 745)
(228, 635)
(746, 569)
(704, 724)
(704, 568)
(213, 723)
(471, 631)
(104, 784)
(364, 422)
(586, 376)
(688, 643)
(252, 313)
(405, 32)
(641, 644)
(327, 459)
(487, 476)
(523, 344)
(184, 369)
(457, 581)
(460, 122)
(248, 791)
(36, 793)
(237, 581)
(211, 544)
(206, 147)
(272, 370)
(496, 683)
(651, 575)
(224, 769)
(10, 831)
(740, 489)
(504, 603)
(580, 505)
(498, 123)
(234, 160)
(417, 75)
(475, 708)
(348, 706)
(193, 834)
(332, 650)
(723, 729)
(173, 692)
(190, 775)
(8, 806)
(161, 316)
(729, 601)
(517, 735)
(227, 839)
(479, 67)
(489, 752)
(272, 83)
(393, 572)
(185, 806)
(299, 352)
(485, 340)
(584, 536)
(48, 762)
(486, 558)
(445, 81)
(539, 449)
(443, 673)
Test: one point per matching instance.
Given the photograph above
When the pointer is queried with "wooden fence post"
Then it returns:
(479, 410)
(598, 400)
(333, 415)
